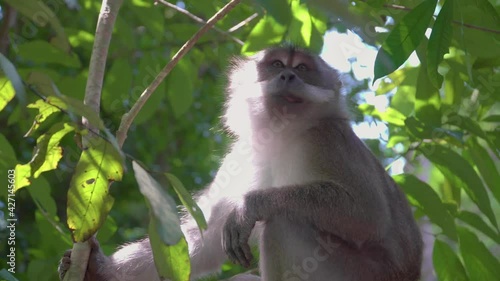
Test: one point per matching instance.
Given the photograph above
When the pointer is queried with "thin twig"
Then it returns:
(472, 26)
(128, 117)
(476, 27)
(397, 7)
(198, 19)
(243, 23)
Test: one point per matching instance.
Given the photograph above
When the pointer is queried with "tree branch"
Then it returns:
(104, 30)
(107, 16)
(243, 22)
(198, 20)
(128, 117)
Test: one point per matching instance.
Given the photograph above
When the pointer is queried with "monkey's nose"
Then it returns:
(287, 77)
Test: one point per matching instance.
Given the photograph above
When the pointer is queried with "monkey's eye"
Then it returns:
(301, 67)
(278, 63)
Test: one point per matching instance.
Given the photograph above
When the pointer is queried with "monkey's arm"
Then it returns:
(362, 212)
(354, 216)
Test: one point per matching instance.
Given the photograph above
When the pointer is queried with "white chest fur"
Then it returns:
(286, 164)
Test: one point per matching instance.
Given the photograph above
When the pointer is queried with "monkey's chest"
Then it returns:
(289, 167)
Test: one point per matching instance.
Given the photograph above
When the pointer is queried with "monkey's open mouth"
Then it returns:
(292, 99)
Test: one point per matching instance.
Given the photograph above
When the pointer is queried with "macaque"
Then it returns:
(297, 181)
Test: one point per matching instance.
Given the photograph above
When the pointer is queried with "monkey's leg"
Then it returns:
(205, 251)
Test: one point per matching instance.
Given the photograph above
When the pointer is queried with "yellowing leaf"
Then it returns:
(6, 92)
(48, 152)
(88, 197)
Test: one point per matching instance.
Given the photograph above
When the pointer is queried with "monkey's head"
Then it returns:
(281, 86)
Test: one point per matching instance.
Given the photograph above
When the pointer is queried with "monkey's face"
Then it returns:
(280, 86)
(296, 82)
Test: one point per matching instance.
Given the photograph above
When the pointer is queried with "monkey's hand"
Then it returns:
(97, 259)
(235, 235)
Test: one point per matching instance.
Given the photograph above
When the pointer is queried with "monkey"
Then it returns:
(296, 181)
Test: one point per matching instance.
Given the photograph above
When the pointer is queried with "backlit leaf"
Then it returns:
(426, 199)
(89, 200)
(478, 260)
(403, 39)
(439, 42)
(447, 265)
(453, 165)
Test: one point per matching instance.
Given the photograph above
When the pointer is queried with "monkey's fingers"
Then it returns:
(64, 264)
(247, 252)
(234, 249)
(226, 244)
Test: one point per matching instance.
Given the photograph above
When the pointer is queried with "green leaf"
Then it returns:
(422, 196)
(486, 166)
(390, 115)
(7, 153)
(71, 106)
(55, 104)
(265, 33)
(319, 21)
(162, 207)
(149, 66)
(447, 265)
(117, 87)
(477, 13)
(45, 109)
(404, 98)
(403, 39)
(187, 201)
(472, 127)
(300, 27)
(453, 165)
(396, 138)
(439, 42)
(172, 261)
(477, 222)
(15, 81)
(478, 260)
(108, 229)
(89, 201)
(31, 51)
(149, 15)
(418, 129)
(23, 174)
(278, 9)
(48, 152)
(40, 14)
(427, 98)
(492, 118)
(486, 62)
(180, 87)
(40, 193)
(80, 38)
(6, 92)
